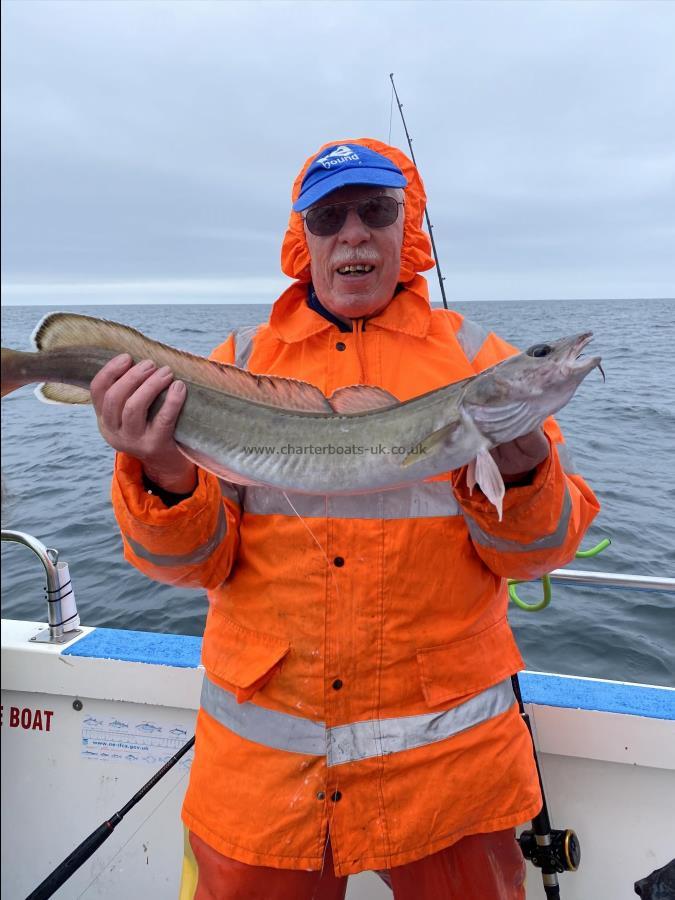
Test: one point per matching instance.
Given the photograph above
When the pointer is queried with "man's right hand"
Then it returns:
(122, 394)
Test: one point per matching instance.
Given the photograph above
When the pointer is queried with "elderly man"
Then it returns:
(357, 710)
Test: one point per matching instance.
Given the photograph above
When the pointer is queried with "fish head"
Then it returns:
(545, 368)
(533, 384)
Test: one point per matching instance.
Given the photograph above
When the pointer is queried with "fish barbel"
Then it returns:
(285, 434)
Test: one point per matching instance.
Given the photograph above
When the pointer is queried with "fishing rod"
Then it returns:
(441, 279)
(549, 849)
(552, 850)
(90, 844)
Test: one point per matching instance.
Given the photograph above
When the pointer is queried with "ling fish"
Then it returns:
(281, 433)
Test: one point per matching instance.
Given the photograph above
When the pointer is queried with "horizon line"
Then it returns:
(223, 302)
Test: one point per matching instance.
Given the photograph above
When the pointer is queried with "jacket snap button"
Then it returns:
(336, 796)
(340, 346)
(321, 795)
(337, 684)
(339, 561)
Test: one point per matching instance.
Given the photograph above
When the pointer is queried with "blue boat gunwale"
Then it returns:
(540, 688)
(155, 648)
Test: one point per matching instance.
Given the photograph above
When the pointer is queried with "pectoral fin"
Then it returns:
(471, 476)
(431, 443)
(484, 472)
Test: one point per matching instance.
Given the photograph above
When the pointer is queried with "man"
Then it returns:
(357, 711)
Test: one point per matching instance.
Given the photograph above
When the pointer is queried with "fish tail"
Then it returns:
(10, 365)
(19, 369)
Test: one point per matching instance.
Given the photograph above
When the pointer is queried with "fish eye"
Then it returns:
(540, 350)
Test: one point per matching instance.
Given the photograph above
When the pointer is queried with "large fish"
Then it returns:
(265, 430)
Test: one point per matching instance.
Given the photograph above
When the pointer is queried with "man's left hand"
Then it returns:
(516, 459)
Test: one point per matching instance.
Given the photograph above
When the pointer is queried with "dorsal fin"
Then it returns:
(60, 329)
(360, 398)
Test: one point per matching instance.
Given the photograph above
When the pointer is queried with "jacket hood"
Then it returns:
(416, 248)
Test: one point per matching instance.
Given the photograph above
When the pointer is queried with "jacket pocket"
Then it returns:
(239, 658)
(451, 672)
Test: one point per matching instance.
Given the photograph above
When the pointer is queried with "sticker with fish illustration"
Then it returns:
(141, 741)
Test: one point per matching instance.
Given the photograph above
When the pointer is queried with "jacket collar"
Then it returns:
(408, 313)
(315, 304)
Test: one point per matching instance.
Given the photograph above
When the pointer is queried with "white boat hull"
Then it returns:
(83, 729)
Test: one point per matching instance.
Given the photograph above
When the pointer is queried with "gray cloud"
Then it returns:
(157, 141)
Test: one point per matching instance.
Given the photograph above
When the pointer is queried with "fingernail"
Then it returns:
(164, 371)
(178, 387)
(123, 360)
(146, 365)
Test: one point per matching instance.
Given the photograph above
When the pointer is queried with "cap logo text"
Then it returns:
(338, 157)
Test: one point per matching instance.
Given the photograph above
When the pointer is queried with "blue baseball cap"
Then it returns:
(346, 164)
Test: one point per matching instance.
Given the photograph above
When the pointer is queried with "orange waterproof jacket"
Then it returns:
(357, 651)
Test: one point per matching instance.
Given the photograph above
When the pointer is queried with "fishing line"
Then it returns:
(133, 834)
(537, 743)
(312, 535)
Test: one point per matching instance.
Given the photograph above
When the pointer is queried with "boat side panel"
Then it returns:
(63, 778)
(612, 737)
(623, 816)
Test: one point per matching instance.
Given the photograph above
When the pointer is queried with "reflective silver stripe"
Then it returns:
(243, 344)
(548, 542)
(195, 556)
(263, 726)
(419, 501)
(348, 743)
(380, 737)
(230, 491)
(471, 337)
(566, 459)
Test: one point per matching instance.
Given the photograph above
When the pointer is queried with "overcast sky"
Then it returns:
(149, 148)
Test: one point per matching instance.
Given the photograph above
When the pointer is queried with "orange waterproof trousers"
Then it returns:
(478, 867)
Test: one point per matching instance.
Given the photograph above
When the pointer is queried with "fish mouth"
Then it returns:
(581, 341)
(577, 362)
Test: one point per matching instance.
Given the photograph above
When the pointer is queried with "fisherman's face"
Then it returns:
(356, 295)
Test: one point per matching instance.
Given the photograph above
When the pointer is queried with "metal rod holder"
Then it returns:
(59, 589)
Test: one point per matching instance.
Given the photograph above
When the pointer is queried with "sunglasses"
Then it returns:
(375, 212)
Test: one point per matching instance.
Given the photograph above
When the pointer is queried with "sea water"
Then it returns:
(56, 471)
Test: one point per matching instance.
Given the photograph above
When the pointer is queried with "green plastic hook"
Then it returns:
(546, 581)
(587, 554)
(531, 607)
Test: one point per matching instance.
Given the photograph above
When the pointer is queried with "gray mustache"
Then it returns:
(353, 255)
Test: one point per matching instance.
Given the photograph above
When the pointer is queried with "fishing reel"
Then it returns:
(560, 853)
